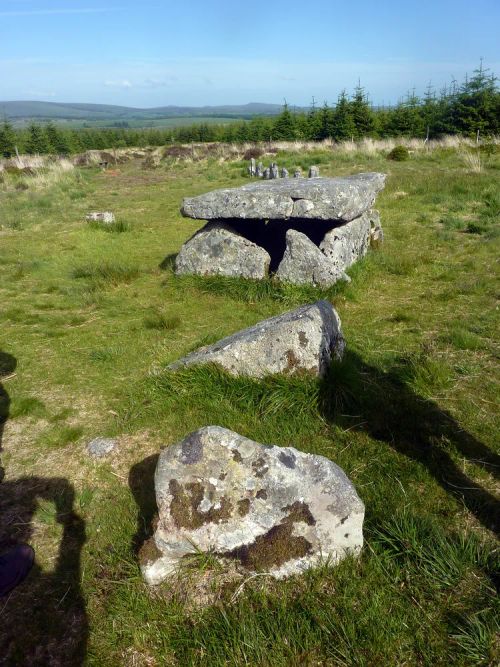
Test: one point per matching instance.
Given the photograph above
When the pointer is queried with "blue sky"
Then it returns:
(196, 52)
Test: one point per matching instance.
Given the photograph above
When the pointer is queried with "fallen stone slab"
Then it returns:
(272, 509)
(218, 249)
(304, 264)
(347, 243)
(340, 199)
(299, 341)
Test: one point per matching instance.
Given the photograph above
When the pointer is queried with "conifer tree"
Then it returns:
(7, 139)
(284, 126)
(343, 127)
(362, 115)
(37, 141)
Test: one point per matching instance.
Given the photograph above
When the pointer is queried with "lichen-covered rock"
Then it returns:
(304, 264)
(340, 199)
(217, 249)
(274, 172)
(345, 244)
(273, 509)
(301, 340)
(314, 172)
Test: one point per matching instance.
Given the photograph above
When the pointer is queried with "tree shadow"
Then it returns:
(43, 621)
(8, 365)
(392, 412)
(141, 482)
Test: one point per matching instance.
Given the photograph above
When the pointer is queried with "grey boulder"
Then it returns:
(217, 249)
(341, 199)
(302, 340)
(304, 263)
(272, 509)
(345, 244)
(313, 172)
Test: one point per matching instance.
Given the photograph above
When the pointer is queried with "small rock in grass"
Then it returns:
(106, 217)
(272, 509)
(100, 447)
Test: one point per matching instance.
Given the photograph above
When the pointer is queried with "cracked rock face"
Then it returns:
(299, 341)
(340, 199)
(218, 250)
(304, 263)
(346, 244)
(273, 509)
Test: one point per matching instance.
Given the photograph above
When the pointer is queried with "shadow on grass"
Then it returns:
(392, 412)
(168, 263)
(43, 621)
(141, 482)
(8, 365)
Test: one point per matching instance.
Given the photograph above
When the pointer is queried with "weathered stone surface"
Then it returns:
(252, 167)
(376, 233)
(297, 173)
(260, 170)
(301, 340)
(344, 245)
(266, 175)
(274, 172)
(313, 172)
(99, 447)
(106, 217)
(284, 172)
(217, 249)
(341, 199)
(273, 509)
(304, 263)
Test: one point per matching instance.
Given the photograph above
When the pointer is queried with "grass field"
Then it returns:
(411, 415)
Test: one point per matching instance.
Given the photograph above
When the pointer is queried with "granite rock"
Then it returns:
(304, 264)
(217, 249)
(272, 509)
(299, 341)
(336, 199)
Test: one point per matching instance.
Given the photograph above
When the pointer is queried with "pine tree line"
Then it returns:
(469, 109)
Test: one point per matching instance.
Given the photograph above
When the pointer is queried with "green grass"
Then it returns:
(411, 415)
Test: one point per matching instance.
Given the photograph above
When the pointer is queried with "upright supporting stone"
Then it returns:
(259, 172)
(314, 172)
(252, 168)
(284, 173)
(297, 173)
(267, 174)
(274, 173)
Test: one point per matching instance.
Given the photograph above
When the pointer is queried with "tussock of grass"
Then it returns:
(160, 320)
(60, 436)
(106, 273)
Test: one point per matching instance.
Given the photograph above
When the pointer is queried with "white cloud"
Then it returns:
(124, 83)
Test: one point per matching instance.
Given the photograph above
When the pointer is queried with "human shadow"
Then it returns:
(390, 411)
(141, 483)
(43, 621)
(8, 365)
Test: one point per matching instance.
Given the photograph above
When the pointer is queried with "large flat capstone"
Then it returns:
(301, 340)
(273, 509)
(341, 199)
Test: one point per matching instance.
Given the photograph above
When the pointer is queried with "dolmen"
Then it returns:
(304, 230)
(271, 509)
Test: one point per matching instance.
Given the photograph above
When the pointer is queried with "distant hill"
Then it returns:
(60, 111)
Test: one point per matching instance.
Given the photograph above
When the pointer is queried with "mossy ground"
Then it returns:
(411, 416)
